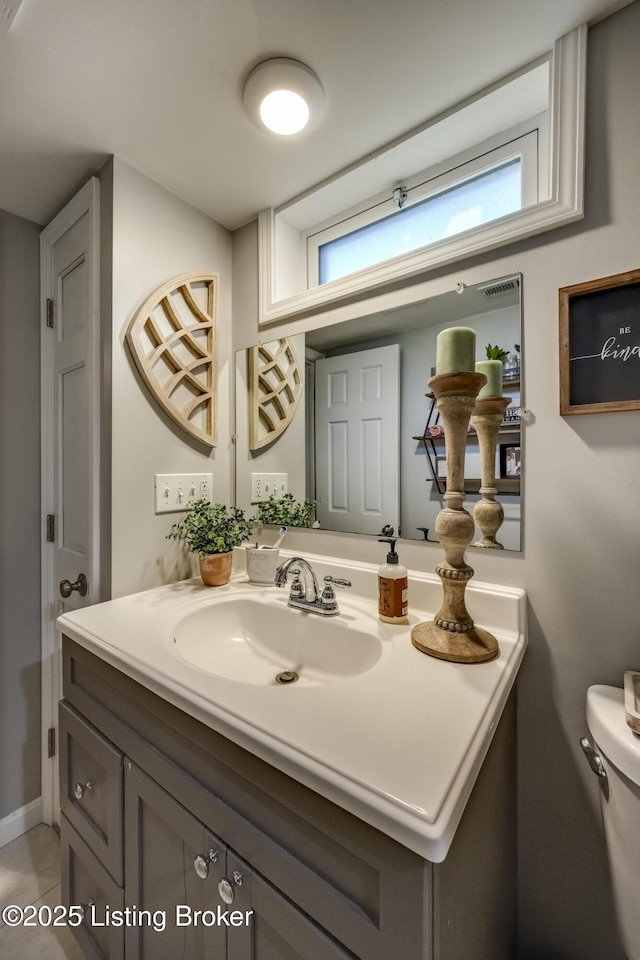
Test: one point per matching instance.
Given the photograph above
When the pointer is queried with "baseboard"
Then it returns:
(20, 821)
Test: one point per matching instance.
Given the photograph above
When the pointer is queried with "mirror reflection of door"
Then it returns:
(357, 417)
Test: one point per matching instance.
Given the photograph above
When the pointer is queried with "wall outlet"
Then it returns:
(263, 485)
(175, 490)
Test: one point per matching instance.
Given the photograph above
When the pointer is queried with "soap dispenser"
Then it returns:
(392, 587)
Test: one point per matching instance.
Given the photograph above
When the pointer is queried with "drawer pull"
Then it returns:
(81, 788)
(226, 887)
(201, 863)
(85, 907)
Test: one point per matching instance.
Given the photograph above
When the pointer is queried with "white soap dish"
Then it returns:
(632, 699)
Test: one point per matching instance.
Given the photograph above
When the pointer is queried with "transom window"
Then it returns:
(433, 207)
(479, 200)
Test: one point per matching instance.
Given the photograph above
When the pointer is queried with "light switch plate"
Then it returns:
(175, 490)
(263, 485)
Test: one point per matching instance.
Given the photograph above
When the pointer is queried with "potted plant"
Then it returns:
(496, 353)
(287, 511)
(212, 530)
(511, 361)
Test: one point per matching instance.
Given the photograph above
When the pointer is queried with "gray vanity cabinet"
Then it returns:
(164, 845)
(201, 820)
(174, 865)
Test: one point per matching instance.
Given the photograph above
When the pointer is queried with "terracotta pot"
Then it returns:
(215, 569)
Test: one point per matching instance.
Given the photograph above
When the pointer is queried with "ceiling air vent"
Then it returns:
(502, 286)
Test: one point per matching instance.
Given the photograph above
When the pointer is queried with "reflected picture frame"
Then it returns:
(441, 468)
(510, 464)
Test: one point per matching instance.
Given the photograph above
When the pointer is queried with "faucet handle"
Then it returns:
(296, 591)
(339, 582)
(328, 602)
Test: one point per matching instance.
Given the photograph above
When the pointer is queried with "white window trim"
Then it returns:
(521, 143)
(565, 204)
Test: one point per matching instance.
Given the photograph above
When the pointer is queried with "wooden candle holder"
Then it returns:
(488, 513)
(452, 634)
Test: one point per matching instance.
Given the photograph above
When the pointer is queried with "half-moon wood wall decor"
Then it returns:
(275, 388)
(173, 340)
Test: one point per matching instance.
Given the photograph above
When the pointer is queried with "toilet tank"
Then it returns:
(619, 749)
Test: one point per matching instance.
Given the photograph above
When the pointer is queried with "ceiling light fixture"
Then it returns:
(283, 96)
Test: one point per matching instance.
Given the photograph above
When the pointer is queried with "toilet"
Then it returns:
(614, 755)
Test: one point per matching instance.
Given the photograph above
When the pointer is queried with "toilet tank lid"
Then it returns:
(607, 722)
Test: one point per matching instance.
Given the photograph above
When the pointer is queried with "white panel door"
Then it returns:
(357, 440)
(70, 446)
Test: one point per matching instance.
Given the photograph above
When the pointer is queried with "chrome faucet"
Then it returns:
(305, 594)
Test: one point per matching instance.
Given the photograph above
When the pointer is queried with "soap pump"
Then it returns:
(392, 587)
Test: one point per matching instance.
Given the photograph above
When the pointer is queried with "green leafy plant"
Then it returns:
(517, 347)
(496, 353)
(211, 528)
(287, 511)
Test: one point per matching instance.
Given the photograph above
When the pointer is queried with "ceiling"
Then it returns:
(454, 306)
(159, 84)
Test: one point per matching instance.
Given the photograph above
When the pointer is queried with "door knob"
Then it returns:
(67, 588)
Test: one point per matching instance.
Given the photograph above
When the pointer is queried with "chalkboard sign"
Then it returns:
(600, 345)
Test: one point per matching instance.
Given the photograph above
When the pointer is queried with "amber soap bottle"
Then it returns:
(393, 588)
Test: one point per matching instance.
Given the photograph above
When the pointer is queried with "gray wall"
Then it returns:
(581, 506)
(19, 513)
(157, 236)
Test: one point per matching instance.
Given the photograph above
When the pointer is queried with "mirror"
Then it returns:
(375, 462)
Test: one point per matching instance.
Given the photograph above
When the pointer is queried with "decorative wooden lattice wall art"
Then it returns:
(173, 341)
(275, 387)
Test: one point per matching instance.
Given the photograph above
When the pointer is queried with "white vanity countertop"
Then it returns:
(399, 746)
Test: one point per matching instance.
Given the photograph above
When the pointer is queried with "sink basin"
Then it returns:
(246, 640)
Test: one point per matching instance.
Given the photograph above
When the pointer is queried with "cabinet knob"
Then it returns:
(226, 887)
(85, 907)
(81, 788)
(201, 863)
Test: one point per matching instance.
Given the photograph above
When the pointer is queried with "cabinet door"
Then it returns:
(270, 927)
(164, 845)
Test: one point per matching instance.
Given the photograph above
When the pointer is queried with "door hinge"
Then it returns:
(49, 312)
(51, 742)
(51, 528)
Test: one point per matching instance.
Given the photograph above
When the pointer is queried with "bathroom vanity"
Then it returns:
(367, 814)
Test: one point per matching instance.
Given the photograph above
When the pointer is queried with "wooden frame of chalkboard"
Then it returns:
(600, 345)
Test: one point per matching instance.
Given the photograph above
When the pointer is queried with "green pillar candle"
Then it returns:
(492, 370)
(456, 350)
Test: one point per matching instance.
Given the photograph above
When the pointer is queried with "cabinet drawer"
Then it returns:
(86, 883)
(91, 788)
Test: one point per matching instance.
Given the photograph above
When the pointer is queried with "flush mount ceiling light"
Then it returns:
(283, 96)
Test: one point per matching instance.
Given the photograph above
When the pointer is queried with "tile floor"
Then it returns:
(30, 874)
